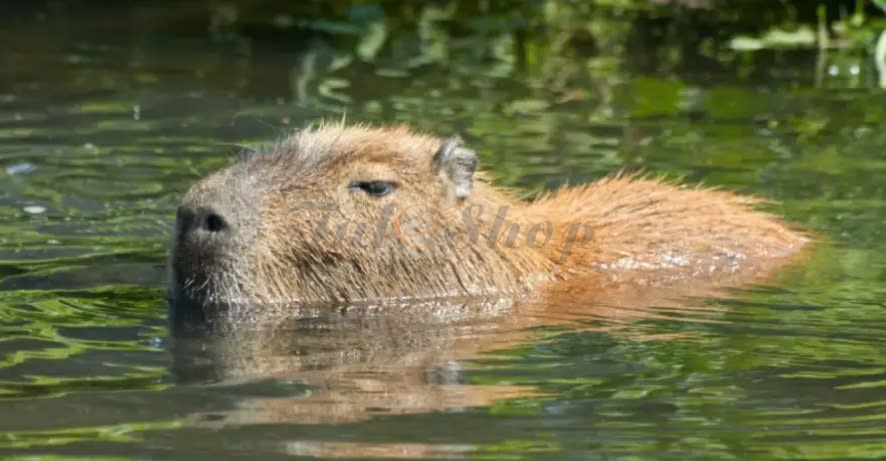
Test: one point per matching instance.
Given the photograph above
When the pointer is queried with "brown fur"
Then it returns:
(649, 234)
(646, 231)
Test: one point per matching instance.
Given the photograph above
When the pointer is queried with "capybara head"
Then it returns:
(340, 214)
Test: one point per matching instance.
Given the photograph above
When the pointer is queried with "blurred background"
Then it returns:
(109, 110)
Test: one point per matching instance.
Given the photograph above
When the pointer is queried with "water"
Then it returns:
(106, 117)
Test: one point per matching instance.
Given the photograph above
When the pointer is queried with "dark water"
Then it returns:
(106, 117)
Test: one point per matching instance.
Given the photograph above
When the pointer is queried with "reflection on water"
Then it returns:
(107, 115)
(359, 361)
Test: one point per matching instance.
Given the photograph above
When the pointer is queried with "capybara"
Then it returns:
(352, 213)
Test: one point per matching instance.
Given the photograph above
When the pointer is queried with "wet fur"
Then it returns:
(646, 230)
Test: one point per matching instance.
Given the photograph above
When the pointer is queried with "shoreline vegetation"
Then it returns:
(560, 40)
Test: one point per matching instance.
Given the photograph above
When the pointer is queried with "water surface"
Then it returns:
(106, 117)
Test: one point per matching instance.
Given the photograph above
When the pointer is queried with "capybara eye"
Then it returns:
(374, 188)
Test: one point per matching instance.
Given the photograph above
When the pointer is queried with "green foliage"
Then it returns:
(101, 131)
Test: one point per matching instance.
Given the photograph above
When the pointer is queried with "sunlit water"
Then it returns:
(103, 126)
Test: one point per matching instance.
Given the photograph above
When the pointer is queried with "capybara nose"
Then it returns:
(205, 222)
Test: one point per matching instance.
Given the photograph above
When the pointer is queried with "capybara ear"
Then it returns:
(458, 164)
